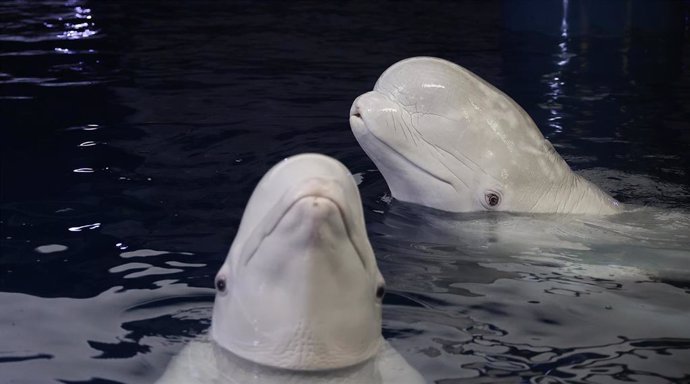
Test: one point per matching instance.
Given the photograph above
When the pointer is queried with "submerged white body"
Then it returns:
(207, 363)
(444, 138)
(299, 295)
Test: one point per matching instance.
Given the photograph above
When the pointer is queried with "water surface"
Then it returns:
(133, 135)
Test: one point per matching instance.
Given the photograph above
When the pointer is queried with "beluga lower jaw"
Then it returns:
(445, 138)
(299, 295)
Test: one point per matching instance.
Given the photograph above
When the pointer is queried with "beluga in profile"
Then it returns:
(444, 138)
(298, 298)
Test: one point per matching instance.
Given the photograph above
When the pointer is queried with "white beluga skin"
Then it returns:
(444, 138)
(298, 298)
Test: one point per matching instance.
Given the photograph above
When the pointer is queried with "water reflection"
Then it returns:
(79, 30)
(99, 336)
(597, 60)
(555, 80)
(586, 364)
(57, 20)
(537, 298)
(36, 30)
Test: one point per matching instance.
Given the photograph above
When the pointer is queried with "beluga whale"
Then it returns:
(298, 298)
(444, 138)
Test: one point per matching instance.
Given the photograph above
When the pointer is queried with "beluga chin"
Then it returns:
(298, 298)
(444, 138)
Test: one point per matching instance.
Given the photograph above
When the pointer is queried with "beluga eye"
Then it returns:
(221, 285)
(492, 199)
(380, 291)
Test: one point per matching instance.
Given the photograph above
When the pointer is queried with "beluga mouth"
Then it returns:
(316, 202)
(358, 124)
(443, 137)
(388, 134)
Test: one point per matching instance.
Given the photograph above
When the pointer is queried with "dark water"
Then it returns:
(133, 134)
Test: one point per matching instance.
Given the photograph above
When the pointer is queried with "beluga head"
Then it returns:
(300, 288)
(444, 138)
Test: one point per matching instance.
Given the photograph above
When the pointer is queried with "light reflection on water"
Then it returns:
(56, 28)
(61, 21)
(555, 80)
(123, 185)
